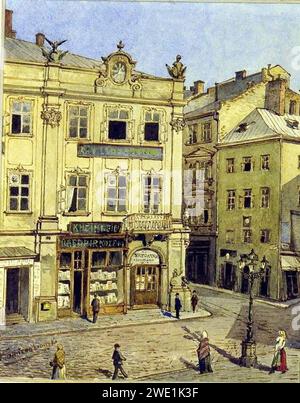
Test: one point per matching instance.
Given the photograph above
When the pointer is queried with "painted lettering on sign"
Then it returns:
(95, 227)
(83, 243)
(119, 151)
(145, 256)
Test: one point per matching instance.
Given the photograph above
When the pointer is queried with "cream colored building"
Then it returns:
(258, 197)
(91, 193)
(210, 115)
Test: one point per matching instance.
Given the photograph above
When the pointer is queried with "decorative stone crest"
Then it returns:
(177, 70)
(54, 55)
(51, 116)
(178, 124)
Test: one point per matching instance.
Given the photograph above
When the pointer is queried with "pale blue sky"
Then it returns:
(215, 40)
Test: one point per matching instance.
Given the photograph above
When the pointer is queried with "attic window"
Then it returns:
(243, 127)
(293, 124)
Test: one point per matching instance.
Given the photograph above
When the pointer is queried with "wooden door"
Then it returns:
(146, 284)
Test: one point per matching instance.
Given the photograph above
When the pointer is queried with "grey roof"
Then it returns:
(17, 49)
(262, 123)
(16, 252)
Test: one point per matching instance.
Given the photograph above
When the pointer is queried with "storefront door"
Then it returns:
(292, 284)
(78, 282)
(146, 282)
(13, 291)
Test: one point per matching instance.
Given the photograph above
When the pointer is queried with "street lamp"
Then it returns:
(249, 358)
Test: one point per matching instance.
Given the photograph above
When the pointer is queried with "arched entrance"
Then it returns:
(145, 278)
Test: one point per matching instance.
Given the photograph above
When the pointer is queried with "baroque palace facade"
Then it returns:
(91, 195)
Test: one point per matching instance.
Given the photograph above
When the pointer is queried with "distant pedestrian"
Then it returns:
(194, 301)
(58, 364)
(178, 305)
(118, 359)
(279, 360)
(95, 307)
(203, 352)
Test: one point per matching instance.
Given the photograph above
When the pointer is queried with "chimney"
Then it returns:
(198, 87)
(39, 39)
(275, 95)
(9, 32)
(240, 75)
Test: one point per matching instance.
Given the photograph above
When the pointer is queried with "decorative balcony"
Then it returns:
(148, 223)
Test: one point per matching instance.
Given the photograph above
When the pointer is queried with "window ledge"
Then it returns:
(78, 139)
(76, 213)
(18, 212)
(21, 135)
(114, 213)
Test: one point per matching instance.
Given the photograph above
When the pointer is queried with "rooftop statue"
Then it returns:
(177, 70)
(53, 54)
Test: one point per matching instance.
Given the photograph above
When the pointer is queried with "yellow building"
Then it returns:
(91, 189)
(259, 197)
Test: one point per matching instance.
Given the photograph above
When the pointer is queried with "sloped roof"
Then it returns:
(262, 123)
(17, 49)
(16, 252)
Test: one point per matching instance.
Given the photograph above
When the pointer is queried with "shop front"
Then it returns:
(290, 266)
(145, 278)
(91, 262)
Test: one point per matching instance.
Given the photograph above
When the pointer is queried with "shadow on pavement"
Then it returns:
(106, 372)
(189, 365)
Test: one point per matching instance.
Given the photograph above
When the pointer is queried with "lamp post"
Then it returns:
(249, 358)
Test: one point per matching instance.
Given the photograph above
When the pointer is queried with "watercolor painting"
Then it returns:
(150, 192)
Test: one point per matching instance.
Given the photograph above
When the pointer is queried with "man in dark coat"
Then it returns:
(96, 307)
(178, 305)
(118, 359)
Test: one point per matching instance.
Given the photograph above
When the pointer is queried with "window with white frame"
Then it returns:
(230, 165)
(118, 120)
(19, 192)
(77, 193)
(265, 162)
(151, 128)
(152, 193)
(247, 199)
(247, 236)
(21, 117)
(78, 122)
(192, 134)
(116, 193)
(265, 197)
(231, 196)
(264, 235)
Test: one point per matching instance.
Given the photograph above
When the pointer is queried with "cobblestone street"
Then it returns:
(162, 351)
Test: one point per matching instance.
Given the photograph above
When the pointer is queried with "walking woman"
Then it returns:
(279, 360)
(203, 352)
(58, 364)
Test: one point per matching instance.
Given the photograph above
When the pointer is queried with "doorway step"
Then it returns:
(14, 319)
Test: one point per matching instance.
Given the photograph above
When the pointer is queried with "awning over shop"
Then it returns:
(290, 263)
(19, 252)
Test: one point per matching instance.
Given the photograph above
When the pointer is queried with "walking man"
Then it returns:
(96, 308)
(194, 301)
(118, 359)
(178, 305)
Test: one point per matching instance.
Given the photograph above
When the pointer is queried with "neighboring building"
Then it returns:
(209, 116)
(259, 198)
(91, 194)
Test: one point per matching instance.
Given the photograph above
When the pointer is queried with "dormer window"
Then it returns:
(292, 124)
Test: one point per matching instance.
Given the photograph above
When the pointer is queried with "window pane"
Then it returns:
(16, 124)
(14, 191)
(122, 205)
(83, 133)
(148, 117)
(113, 115)
(82, 180)
(74, 122)
(24, 191)
(115, 258)
(122, 181)
(26, 119)
(82, 193)
(156, 117)
(112, 180)
(122, 194)
(83, 122)
(83, 111)
(72, 180)
(123, 115)
(98, 258)
(112, 193)
(26, 107)
(13, 204)
(25, 179)
(26, 129)
(111, 205)
(156, 181)
(74, 111)
(117, 130)
(24, 204)
(17, 106)
(82, 204)
(73, 131)
(151, 131)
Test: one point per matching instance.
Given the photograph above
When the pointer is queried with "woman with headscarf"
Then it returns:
(279, 359)
(58, 364)
(203, 352)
